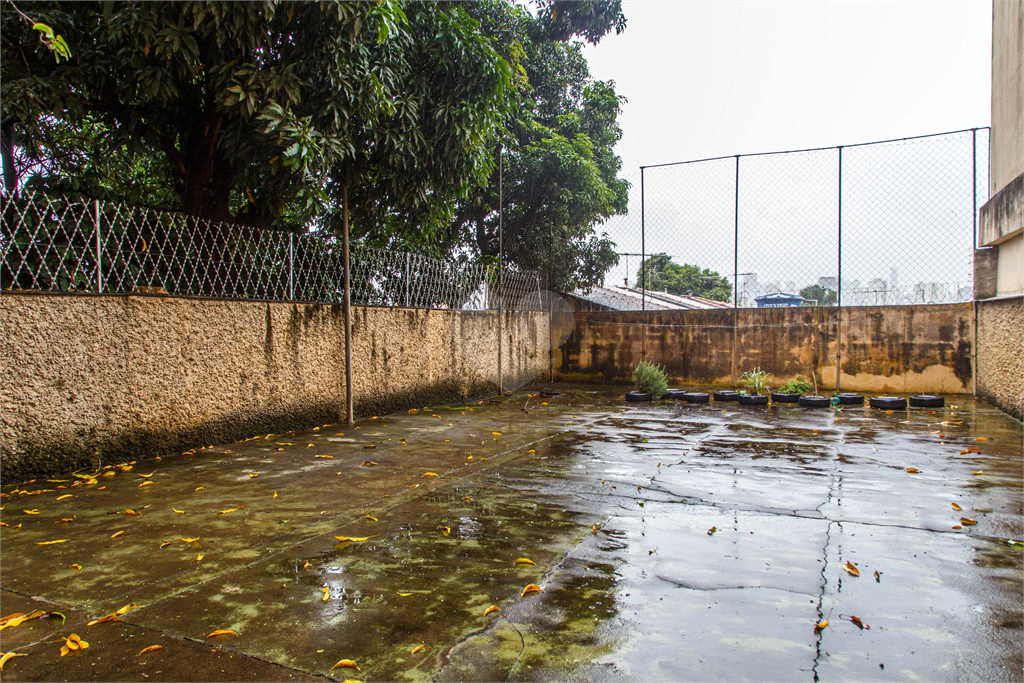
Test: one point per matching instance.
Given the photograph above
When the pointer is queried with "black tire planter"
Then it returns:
(696, 397)
(779, 397)
(675, 395)
(888, 402)
(851, 399)
(727, 395)
(815, 401)
(753, 399)
(638, 396)
(924, 401)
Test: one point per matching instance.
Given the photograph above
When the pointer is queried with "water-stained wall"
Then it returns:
(880, 349)
(129, 376)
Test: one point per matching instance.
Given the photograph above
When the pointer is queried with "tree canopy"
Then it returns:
(665, 276)
(822, 295)
(260, 112)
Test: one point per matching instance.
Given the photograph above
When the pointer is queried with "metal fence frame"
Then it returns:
(735, 275)
(72, 245)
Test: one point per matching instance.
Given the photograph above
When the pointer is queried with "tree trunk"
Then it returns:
(7, 154)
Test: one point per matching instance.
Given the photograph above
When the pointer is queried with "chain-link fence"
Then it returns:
(58, 244)
(883, 223)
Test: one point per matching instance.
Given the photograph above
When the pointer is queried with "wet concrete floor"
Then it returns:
(670, 542)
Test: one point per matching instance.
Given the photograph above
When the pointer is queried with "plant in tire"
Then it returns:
(799, 385)
(756, 380)
(650, 378)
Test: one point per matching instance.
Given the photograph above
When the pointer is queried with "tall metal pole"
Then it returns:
(974, 222)
(291, 266)
(346, 285)
(643, 270)
(99, 252)
(839, 273)
(501, 297)
(736, 239)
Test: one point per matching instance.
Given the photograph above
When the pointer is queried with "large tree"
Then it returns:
(258, 112)
(665, 276)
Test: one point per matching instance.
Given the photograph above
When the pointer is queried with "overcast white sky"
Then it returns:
(706, 79)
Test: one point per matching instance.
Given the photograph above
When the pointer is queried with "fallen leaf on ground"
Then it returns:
(5, 656)
(180, 512)
(253, 475)
(151, 648)
(712, 530)
(126, 609)
(419, 648)
(198, 558)
(593, 529)
(978, 472)
(75, 566)
(31, 512)
(369, 463)
(524, 560)
(445, 530)
(73, 642)
(328, 457)
(956, 507)
(191, 540)
(353, 539)
(372, 519)
(981, 438)
(13, 620)
(200, 488)
(348, 662)
(146, 476)
(913, 470)
(103, 620)
(878, 577)
(116, 534)
(967, 521)
(224, 512)
(956, 526)
(370, 445)
(165, 544)
(222, 632)
(856, 620)
(405, 595)
(429, 474)
(851, 569)
(145, 483)
(131, 512)
(531, 588)
(65, 496)
(327, 593)
(821, 626)
(492, 608)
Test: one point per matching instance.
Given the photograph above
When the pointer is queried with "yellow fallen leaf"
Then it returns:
(531, 451)
(126, 609)
(191, 540)
(446, 531)
(17, 618)
(75, 566)
(116, 534)
(822, 625)
(967, 521)
(857, 620)
(146, 476)
(467, 499)
(370, 445)
(593, 529)
(851, 569)
(372, 519)
(531, 588)
(200, 488)
(348, 662)
(957, 526)
(419, 648)
(956, 507)
(224, 512)
(354, 539)
(65, 496)
(165, 544)
(978, 472)
(305, 565)
(405, 595)
(151, 648)
(5, 656)
(329, 457)
(492, 608)
(429, 474)
(495, 433)
(981, 438)
(180, 512)
(369, 463)
(913, 470)
(145, 483)
(524, 560)
(103, 620)
(73, 642)
(327, 593)
(413, 411)
(131, 512)
(198, 558)
(275, 494)
(31, 512)
(222, 632)
(253, 475)
(310, 445)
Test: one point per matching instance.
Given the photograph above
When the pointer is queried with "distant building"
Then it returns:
(829, 282)
(779, 300)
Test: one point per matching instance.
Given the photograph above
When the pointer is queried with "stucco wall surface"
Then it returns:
(881, 349)
(130, 376)
(1007, 92)
(1001, 354)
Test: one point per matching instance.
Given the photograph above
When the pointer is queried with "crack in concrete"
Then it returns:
(692, 587)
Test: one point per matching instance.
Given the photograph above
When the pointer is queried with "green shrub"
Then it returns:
(650, 378)
(800, 385)
(756, 380)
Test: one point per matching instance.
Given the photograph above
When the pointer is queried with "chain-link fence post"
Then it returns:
(408, 277)
(99, 251)
(291, 266)
(839, 269)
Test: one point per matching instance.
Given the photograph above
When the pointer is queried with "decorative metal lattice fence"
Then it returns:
(59, 244)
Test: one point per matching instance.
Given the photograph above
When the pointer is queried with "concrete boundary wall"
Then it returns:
(119, 377)
(896, 349)
(1001, 354)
